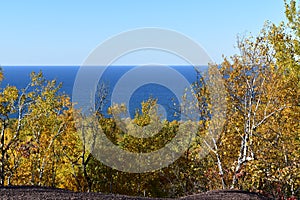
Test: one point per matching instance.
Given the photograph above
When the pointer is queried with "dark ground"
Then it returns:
(28, 192)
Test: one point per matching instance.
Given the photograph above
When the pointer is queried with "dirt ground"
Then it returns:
(28, 192)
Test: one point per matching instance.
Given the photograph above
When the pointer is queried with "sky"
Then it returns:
(64, 32)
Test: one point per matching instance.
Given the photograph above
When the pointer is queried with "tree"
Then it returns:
(48, 125)
(8, 100)
(13, 106)
(263, 105)
(210, 93)
(37, 134)
(1, 74)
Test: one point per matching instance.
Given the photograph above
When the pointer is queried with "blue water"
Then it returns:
(19, 76)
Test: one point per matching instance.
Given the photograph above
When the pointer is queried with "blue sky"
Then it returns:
(65, 32)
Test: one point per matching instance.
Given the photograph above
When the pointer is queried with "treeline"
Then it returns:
(42, 144)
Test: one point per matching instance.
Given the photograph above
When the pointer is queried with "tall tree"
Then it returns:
(263, 107)
(13, 106)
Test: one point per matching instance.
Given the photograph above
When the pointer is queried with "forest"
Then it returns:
(258, 149)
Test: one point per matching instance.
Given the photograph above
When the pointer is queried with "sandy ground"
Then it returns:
(28, 192)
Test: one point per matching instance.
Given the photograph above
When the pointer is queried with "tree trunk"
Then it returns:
(2, 162)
